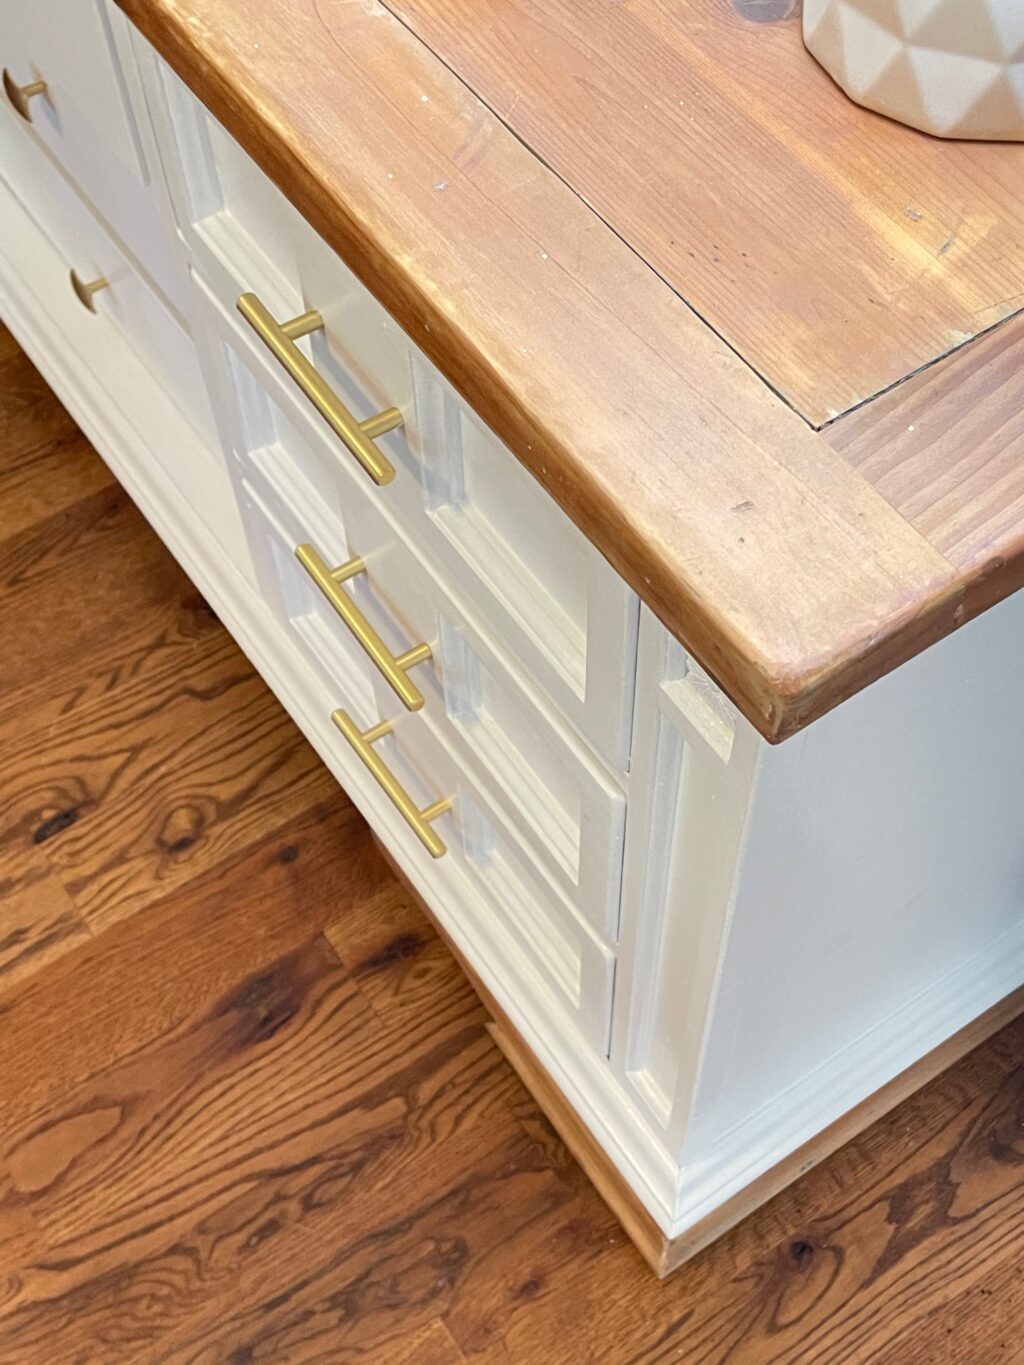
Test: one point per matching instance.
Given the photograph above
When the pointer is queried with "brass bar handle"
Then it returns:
(85, 290)
(362, 741)
(391, 666)
(358, 437)
(19, 95)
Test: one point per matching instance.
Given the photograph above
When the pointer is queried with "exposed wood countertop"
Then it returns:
(661, 254)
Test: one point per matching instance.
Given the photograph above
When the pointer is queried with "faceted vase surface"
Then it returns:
(954, 68)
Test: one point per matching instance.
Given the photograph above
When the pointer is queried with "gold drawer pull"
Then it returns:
(393, 667)
(280, 338)
(19, 95)
(84, 291)
(362, 742)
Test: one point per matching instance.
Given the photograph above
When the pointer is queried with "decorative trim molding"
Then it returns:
(801, 1115)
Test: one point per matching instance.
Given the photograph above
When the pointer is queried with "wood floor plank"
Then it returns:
(38, 920)
(279, 1129)
(128, 803)
(147, 974)
(389, 1279)
(135, 651)
(401, 965)
(172, 1106)
(46, 464)
(21, 1239)
(433, 1346)
(865, 1247)
(68, 583)
(980, 1325)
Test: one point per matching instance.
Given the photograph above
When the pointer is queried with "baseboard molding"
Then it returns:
(816, 1149)
(798, 1116)
(665, 1253)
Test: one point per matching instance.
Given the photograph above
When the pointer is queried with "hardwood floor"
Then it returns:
(250, 1110)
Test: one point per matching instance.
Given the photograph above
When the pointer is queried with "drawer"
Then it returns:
(560, 801)
(125, 303)
(82, 114)
(484, 860)
(463, 500)
(142, 360)
(83, 117)
(553, 795)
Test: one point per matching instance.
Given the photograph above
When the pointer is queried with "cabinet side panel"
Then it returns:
(880, 897)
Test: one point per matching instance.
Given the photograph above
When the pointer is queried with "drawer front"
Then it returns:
(125, 302)
(495, 874)
(82, 114)
(143, 362)
(462, 498)
(562, 806)
(83, 118)
(561, 803)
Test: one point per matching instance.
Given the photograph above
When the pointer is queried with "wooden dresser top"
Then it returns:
(662, 255)
(836, 252)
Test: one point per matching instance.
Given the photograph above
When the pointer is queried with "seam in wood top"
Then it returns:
(834, 249)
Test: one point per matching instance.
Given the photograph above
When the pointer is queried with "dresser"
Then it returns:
(623, 495)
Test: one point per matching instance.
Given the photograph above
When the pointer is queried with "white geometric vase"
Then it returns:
(950, 67)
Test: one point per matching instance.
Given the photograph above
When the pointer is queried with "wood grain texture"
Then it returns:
(49, 464)
(835, 250)
(260, 1118)
(52, 571)
(793, 582)
(38, 919)
(134, 813)
(109, 808)
(118, 810)
(947, 450)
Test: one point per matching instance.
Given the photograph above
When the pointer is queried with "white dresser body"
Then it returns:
(714, 948)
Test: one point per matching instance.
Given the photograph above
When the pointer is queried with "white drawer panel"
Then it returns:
(84, 118)
(510, 884)
(562, 803)
(132, 344)
(83, 115)
(564, 806)
(466, 503)
(126, 303)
